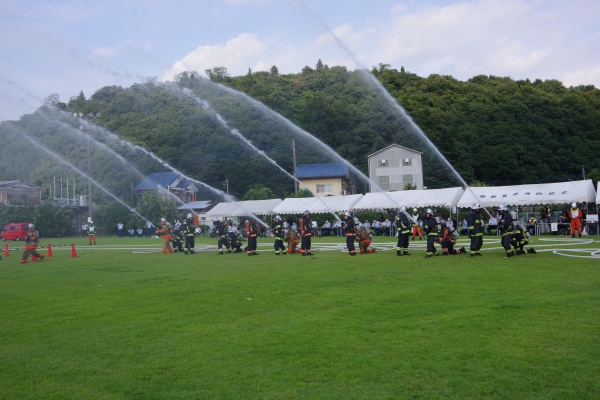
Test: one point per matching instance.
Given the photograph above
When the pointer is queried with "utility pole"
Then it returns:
(584, 172)
(89, 160)
(226, 184)
(294, 157)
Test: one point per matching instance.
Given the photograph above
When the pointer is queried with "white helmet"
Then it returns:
(574, 205)
(31, 226)
(277, 218)
(428, 211)
(475, 206)
(501, 207)
(414, 210)
(215, 219)
(163, 220)
(347, 214)
(189, 216)
(91, 222)
(306, 213)
(402, 209)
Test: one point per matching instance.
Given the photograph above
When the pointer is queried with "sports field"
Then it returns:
(122, 321)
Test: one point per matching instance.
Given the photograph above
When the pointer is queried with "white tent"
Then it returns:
(322, 205)
(598, 194)
(410, 198)
(242, 208)
(520, 195)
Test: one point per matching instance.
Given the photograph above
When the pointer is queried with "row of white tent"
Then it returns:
(521, 195)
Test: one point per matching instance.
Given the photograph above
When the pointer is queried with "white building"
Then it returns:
(393, 167)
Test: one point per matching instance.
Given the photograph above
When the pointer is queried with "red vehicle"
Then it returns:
(15, 231)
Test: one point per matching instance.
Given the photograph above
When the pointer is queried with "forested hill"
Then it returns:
(493, 130)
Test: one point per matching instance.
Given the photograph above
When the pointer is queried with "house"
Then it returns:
(19, 192)
(326, 179)
(395, 166)
(182, 188)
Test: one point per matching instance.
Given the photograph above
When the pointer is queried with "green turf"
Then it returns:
(112, 324)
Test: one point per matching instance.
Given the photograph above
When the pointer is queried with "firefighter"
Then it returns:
(505, 224)
(221, 233)
(403, 224)
(575, 214)
(165, 230)
(520, 239)
(475, 230)
(189, 234)
(278, 232)
(416, 226)
(178, 241)
(365, 238)
(251, 233)
(350, 233)
(448, 240)
(31, 242)
(305, 228)
(431, 229)
(292, 240)
(91, 232)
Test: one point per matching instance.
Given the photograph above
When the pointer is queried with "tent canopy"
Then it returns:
(522, 195)
(321, 205)
(410, 198)
(598, 194)
(242, 208)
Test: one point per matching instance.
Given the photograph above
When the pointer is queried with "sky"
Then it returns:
(65, 47)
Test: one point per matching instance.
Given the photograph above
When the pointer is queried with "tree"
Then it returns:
(594, 175)
(274, 71)
(218, 74)
(259, 192)
(319, 66)
(410, 186)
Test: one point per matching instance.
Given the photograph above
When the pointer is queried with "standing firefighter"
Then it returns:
(221, 233)
(403, 223)
(505, 224)
(448, 240)
(575, 215)
(91, 232)
(189, 234)
(252, 233)
(31, 242)
(165, 231)
(278, 232)
(306, 233)
(350, 233)
(475, 230)
(430, 227)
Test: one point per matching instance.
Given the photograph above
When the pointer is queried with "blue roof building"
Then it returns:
(183, 189)
(326, 179)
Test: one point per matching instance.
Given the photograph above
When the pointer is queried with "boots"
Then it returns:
(532, 251)
(398, 252)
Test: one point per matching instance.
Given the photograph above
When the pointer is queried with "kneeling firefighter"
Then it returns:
(221, 233)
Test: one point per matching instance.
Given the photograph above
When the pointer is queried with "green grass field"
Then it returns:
(118, 323)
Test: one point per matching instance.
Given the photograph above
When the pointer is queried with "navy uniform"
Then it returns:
(189, 233)
(431, 229)
(305, 228)
(404, 225)
(252, 233)
(350, 233)
(221, 233)
(278, 232)
(475, 230)
(505, 224)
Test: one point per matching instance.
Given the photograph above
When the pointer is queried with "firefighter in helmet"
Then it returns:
(430, 228)
(505, 223)
(305, 228)
(475, 229)
(278, 232)
(31, 242)
(404, 225)
(189, 232)
(350, 233)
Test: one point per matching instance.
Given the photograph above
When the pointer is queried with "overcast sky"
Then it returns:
(50, 46)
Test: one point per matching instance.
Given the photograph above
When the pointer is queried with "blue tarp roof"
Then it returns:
(157, 179)
(308, 171)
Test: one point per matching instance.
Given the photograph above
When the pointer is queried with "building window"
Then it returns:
(384, 182)
(407, 162)
(383, 163)
(407, 179)
(324, 188)
(19, 198)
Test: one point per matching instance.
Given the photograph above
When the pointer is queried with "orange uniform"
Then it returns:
(575, 215)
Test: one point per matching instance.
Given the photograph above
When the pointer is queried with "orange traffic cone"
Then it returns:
(33, 258)
(73, 251)
(49, 250)
(6, 254)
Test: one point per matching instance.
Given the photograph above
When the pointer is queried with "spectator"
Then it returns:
(326, 229)
(148, 228)
(367, 225)
(492, 224)
(131, 232)
(531, 226)
(84, 229)
(377, 227)
(465, 227)
(120, 229)
(337, 226)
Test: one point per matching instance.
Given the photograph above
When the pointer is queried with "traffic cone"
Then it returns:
(73, 251)
(33, 258)
(49, 250)
(6, 254)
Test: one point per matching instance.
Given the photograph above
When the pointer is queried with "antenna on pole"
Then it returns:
(294, 156)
